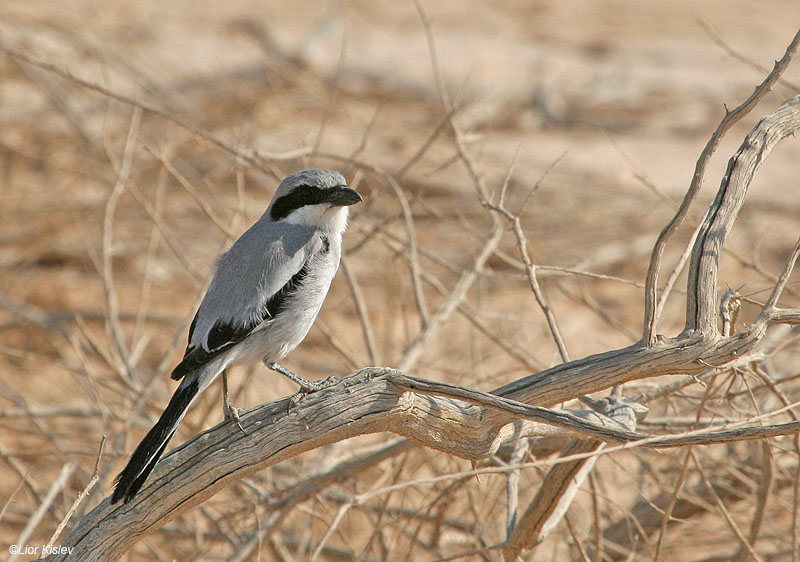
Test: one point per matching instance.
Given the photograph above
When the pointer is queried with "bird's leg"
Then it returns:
(231, 412)
(306, 386)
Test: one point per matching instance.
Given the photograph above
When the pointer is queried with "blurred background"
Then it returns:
(111, 218)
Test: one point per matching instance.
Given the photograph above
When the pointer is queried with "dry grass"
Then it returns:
(606, 115)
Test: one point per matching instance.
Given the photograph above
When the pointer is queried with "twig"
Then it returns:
(190, 189)
(337, 345)
(762, 497)
(342, 511)
(152, 246)
(472, 315)
(458, 135)
(426, 145)
(576, 540)
(597, 528)
(413, 255)
(362, 144)
(666, 291)
(260, 160)
(662, 532)
(112, 322)
(772, 301)
(530, 269)
(36, 517)
(413, 352)
(88, 488)
(11, 496)
(512, 486)
(172, 242)
(363, 315)
(725, 513)
(60, 102)
(740, 57)
(334, 89)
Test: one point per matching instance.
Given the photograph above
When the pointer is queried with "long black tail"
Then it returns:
(146, 455)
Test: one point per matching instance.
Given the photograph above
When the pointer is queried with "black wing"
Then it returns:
(224, 335)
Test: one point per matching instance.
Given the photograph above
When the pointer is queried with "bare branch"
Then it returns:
(368, 401)
(731, 117)
(701, 302)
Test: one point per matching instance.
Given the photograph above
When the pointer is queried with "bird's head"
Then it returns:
(316, 197)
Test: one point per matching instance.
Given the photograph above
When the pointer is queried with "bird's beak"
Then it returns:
(342, 196)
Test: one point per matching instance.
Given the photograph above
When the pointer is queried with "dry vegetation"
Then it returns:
(137, 141)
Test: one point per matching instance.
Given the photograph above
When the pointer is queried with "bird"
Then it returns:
(264, 296)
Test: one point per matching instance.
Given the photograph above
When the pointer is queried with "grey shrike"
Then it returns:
(264, 297)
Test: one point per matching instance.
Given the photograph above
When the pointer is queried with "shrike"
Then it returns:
(265, 295)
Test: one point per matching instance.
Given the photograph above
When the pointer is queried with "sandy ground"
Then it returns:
(602, 106)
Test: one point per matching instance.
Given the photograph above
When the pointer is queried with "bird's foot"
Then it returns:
(313, 386)
(308, 387)
(231, 412)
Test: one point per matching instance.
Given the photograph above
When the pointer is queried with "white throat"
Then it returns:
(324, 216)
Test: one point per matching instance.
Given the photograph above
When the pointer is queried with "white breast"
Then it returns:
(279, 336)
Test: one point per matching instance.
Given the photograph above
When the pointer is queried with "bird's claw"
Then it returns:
(330, 381)
(232, 413)
(309, 387)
